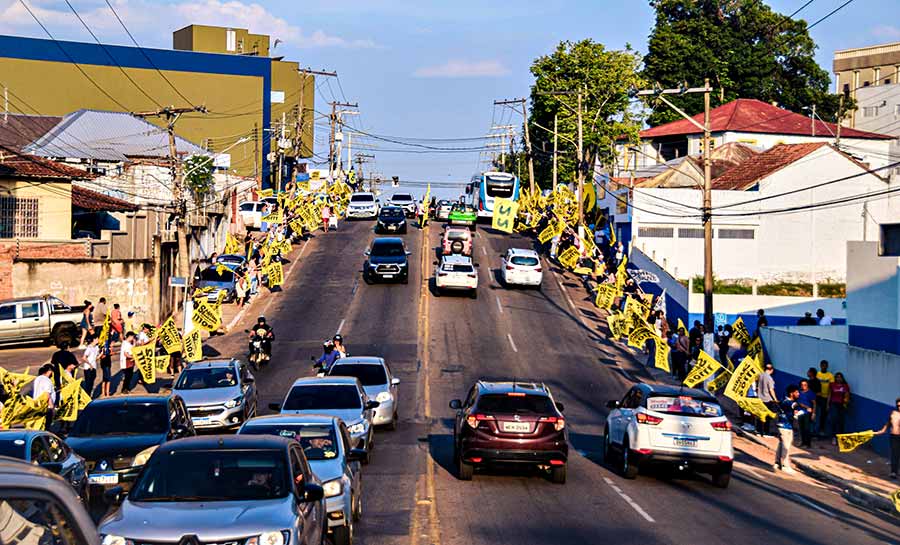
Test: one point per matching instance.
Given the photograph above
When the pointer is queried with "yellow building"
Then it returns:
(865, 67)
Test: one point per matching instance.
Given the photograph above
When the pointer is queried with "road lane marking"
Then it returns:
(340, 326)
(815, 506)
(483, 250)
(628, 500)
(511, 343)
(499, 307)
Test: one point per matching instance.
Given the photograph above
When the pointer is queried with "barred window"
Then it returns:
(747, 234)
(656, 232)
(18, 217)
(690, 233)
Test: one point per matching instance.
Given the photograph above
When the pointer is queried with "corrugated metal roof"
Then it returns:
(108, 136)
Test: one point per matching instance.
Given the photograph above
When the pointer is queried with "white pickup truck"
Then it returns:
(41, 318)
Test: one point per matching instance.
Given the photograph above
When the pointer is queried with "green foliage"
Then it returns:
(720, 286)
(605, 77)
(792, 289)
(198, 176)
(742, 46)
(833, 290)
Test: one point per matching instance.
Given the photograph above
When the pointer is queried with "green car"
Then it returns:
(462, 214)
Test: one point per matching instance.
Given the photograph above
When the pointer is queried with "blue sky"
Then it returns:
(424, 69)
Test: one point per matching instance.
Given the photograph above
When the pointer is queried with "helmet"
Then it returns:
(261, 319)
(337, 338)
(328, 344)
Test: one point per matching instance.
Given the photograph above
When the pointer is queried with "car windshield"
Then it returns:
(387, 249)
(362, 198)
(458, 234)
(524, 260)
(318, 440)
(684, 405)
(213, 275)
(402, 197)
(323, 397)
(201, 379)
(14, 448)
(217, 475)
(515, 403)
(391, 213)
(122, 419)
(368, 374)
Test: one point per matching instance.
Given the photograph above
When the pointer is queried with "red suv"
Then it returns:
(510, 422)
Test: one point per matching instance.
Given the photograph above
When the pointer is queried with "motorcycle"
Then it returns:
(258, 356)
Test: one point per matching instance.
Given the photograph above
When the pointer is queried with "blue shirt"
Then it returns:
(786, 417)
(807, 398)
(327, 360)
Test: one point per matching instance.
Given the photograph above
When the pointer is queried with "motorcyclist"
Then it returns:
(339, 347)
(265, 333)
(328, 357)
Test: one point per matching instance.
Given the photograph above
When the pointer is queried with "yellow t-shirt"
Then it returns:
(825, 379)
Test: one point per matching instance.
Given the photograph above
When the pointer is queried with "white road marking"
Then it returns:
(500, 308)
(628, 500)
(340, 327)
(483, 250)
(511, 343)
(565, 293)
(813, 505)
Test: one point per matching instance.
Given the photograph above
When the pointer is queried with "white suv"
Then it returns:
(404, 201)
(456, 272)
(363, 205)
(671, 425)
(521, 267)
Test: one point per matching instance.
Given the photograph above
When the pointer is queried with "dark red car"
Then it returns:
(510, 422)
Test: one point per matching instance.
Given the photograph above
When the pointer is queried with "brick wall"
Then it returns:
(12, 250)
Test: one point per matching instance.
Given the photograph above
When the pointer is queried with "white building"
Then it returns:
(878, 110)
(763, 229)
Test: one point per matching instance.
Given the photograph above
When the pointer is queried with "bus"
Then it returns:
(487, 186)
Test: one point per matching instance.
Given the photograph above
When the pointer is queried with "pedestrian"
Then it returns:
(681, 354)
(131, 322)
(765, 391)
(126, 362)
(43, 384)
(105, 368)
(61, 359)
(824, 319)
(807, 402)
(893, 426)
(815, 387)
(100, 310)
(696, 332)
(90, 359)
(786, 412)
(723, 342)
(838, 401)
(144, 336)
(807, 319)
(825, 379)
(326, 215)
(117, 323)
(761, 321)
(253, 275)
(87, 321)
(240, 291)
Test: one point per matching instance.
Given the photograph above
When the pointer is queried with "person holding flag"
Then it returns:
(788, 409)
(893, 426)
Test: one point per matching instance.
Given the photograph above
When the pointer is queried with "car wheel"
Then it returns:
(558, 474)
(404, 279)
(607, 449)
(629, 469)
(464, 471)
(437, 291)
(721, 479)
(473, 294)
(403, 232)
(357, 508)
(342, 535)
(394, 423)
(367, 278)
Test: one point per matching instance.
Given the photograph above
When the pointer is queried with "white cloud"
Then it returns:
(456, 68)
(886, 32)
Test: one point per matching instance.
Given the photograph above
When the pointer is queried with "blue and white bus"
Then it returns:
(487, 186)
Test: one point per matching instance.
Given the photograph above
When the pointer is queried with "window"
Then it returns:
(896, 109)
(58, 452)
(656, 232)
(230, 40)
(39, 452)
(31, 518)
(887, 81)
(870, 111)
(368, 375)
(8, 312)
(690, 233)
(747, 234)
(18, 217)
(31, 310)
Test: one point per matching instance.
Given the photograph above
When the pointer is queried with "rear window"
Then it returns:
(458, 235)
(523, 260)
(362, 198)
(684, 405)
(458, 268)
(322, 398)
(511, 404)
(368, 375)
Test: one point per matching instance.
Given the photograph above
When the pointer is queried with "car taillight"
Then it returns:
(724, 458)
(472, 275)
(721, 426)
(644, 418)
(558, 422)
(537, 269)
(510, 268)
(473, 419)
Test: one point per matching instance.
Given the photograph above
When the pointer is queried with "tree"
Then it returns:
(198, 176)
(743, 47)
(605, 78)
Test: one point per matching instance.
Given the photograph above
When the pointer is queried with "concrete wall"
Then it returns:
(873, 298)
(676, 293)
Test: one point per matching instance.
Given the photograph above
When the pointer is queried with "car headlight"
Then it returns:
(333, 488)
(232, 403)
(269, 538)
(110, 539)
(383, 397)
(359, 427)
(141, 459)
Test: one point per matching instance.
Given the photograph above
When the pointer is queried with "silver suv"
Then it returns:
(377, 381)
(219, 394)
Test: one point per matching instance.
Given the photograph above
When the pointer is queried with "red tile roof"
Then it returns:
(14, 164)
(749, 115)
(91, 200)
(747, 174)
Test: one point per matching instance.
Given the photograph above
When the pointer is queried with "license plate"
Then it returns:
(104, 478)
(391, 227)
(516, 427)
(686, 443)
(388, 276)
(201, 421)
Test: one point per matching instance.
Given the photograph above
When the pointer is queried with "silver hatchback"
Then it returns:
(378, 382)
(219, 394)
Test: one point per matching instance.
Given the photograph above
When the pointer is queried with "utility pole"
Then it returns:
(555, 147)
(580, 164)
(527, 137)
(840, 121)
(299, 130)
(360, 159)
(256, 172)
(335, 119)
(507, 133)
(659, 94)
(171, 115)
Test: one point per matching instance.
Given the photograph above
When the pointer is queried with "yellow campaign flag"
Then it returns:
(895, 496)
(505, 211)
(161, 364)
(275, 274)
(754, 406)
(23, 411)
(640, 335)
(193, 347)
(730, 363)
(286, 247)
(848, 442)
(681, 326)
(273, 218)
(104, 331)
(582, 270)
(64, 378)
(612, 234)
(719, 382)
(589, 199)
(232, 244)
(742, 378)
(145, 361)
(739, 330)
(168, 335)
(706, 367)
(545, 235)
(263, 193)
(755, 350)
(69, 398)
(205, 316)
(12, 383)
(634, 310)
(614, 321)
(661, 358)
(569, 257)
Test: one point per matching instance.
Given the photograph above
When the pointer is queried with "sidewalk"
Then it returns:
(862, 476)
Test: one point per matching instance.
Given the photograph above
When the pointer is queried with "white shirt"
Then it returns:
(143, 338)
(91, 353)
(825, 320)
(124, 351)
(44, 385)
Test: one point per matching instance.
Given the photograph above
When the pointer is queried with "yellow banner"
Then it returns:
(755, 407)
(895, 496)
(569, 257)
(661, 360)
(548, 232)
(169, 337)
(22, 410)
(161, 364)
(232, 244)
(606, 296)
(615, 323)
(739, 330)
(104, 331)
(848, 442)
(263, 193)
(145, 360)
(275, 273)
(505, 211)
(205, 316)
(756, 352)
(742, 378)
(193, 348)
(705, 368)
(640, 335)
(681, 326)
(67, 411)
(720, 381)
(12, 383)
(273, 218)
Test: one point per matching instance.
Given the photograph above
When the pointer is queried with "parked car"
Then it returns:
(363, 205)
(456, 240)
(387, 259)
(377, 381)
(215, 280)
(391, 219)
(117, 435)
(342, 397)
(671, 425)
(510, 422)
(456, 273)
(443, 210)
(48, 451)
(326, 444)
(463, 214)
(251, 213)
(218, 394)
(521, 267)
(249, 490)
(232, 261)
(40, 318)
(404, 201)
(39, 507)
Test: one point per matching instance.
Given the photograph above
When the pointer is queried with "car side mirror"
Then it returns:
(311, 492)
(372, 404)
(456, 404)
(114, 496)
(408, 252)
(274, 406)
(249, 380)
(179, 431)
(477, 264)
(356, 455)
(560, 406)
(612, 404)
(395, 381)
(53, 467)
(437, 262)
(367, 252)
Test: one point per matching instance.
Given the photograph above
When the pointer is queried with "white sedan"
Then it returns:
(521, 267)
